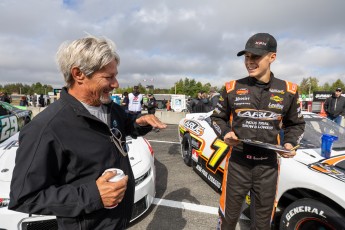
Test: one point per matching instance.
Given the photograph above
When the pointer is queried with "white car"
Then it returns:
(141, 157)
(311, 189)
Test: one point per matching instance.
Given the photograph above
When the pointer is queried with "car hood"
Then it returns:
(333, 166)
(135, 150)
(309, 156)
(7, 157)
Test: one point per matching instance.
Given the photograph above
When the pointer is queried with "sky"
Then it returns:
(161, 42)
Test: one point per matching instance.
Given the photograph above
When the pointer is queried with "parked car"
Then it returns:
(141, 157)
(12, 119)
(311, 188)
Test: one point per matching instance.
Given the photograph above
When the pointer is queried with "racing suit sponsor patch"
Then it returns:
(258, 114)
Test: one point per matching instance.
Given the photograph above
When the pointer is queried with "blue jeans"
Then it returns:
(335, 119)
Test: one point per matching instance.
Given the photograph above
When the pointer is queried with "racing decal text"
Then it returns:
(208, 176)
(257, 125)
(194, 127)
(304, 209)
(258, 114)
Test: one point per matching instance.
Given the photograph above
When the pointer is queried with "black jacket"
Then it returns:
(257, 111)
(62, 152)
(335, 106)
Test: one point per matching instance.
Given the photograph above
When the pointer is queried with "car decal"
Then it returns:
(329, 167)
(8, 126)
(194, 127)
(220, 150)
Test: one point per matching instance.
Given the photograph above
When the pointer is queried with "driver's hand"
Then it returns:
(231, 139)
(290, 154)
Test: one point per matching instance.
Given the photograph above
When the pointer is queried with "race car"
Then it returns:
(141, 157)
(311, 188)
(12, 119)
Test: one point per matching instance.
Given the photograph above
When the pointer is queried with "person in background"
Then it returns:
(41, 101)
(334, 106)
(151, 104)
(34, 100)
(164, 104)
(65, 149)
(135, 103)
(214, 98)
(125, 101)
(254, 108)
(5, 97)
(23, 101)
(2, 98)
(201, 103)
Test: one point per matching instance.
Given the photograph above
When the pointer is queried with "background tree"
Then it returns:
(338, 83)
(309, 85)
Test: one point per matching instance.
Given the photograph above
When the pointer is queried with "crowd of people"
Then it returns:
(204, 102)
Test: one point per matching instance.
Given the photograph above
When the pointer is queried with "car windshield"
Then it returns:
(316, 126)
(341, 166)
(7, 106)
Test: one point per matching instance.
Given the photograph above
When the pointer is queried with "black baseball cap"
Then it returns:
(338, 89)
(260, 44)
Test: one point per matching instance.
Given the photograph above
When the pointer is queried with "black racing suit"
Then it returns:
(62, 152)
(256, 111)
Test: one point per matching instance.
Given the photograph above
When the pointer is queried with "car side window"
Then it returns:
(3, 111)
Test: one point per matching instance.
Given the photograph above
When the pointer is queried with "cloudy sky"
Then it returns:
(165, 41)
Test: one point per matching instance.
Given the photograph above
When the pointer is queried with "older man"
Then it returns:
(65, 149)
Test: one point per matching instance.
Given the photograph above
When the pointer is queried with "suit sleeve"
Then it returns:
(293, 122)
(35, 185)
(220, 117)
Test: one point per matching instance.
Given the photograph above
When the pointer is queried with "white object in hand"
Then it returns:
(119, 175)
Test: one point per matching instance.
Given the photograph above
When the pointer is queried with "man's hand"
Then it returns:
(231, 139)
(152, 120)
(111, 193)
(290, 154)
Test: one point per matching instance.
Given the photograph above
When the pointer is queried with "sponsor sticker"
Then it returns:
(194, 127)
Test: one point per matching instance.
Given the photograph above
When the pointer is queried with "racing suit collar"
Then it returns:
(254, 81)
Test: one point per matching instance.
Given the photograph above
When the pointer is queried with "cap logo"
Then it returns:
(260, 43)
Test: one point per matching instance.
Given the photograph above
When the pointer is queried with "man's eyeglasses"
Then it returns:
(116, 138)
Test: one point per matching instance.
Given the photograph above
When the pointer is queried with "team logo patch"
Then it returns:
(242, 91)
(115, 123)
